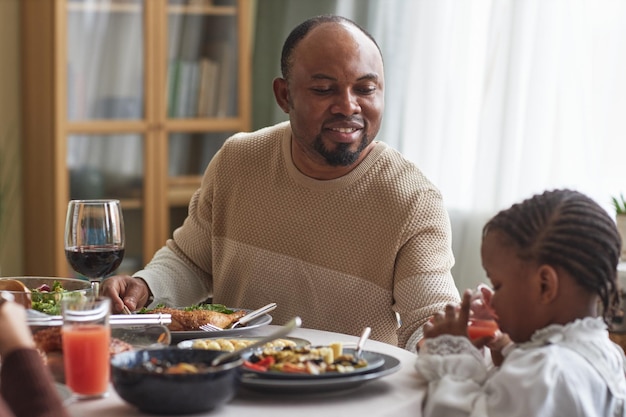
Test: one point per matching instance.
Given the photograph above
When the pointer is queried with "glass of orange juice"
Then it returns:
(477, 328)
(86, 337)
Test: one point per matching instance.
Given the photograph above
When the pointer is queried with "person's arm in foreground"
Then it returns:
(26, 384)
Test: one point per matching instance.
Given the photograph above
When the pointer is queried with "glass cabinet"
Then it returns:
(126, 99)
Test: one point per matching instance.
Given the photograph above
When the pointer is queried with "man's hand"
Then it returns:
(126, 290)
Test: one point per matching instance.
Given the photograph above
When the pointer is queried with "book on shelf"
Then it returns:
(185, 104)
(209, 73)
(204, 85)
(228, 71)
(224, 55)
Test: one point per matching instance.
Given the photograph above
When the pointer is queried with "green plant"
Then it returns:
(619, 203)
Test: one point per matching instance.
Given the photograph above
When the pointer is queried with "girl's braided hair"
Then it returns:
(567, 229)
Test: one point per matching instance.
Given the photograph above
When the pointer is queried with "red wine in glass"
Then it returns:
(94, 261)
(94, 238)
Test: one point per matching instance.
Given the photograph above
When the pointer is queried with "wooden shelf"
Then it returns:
(135, 7)
(58, 82)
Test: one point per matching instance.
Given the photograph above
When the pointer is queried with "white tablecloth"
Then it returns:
(393, 395)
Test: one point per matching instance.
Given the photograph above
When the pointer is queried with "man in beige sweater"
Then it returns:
(312, 214)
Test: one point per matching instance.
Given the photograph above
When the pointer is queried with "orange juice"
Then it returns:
(478, 328)
(86, 358)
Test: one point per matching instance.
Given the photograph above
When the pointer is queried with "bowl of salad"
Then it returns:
(44, 294)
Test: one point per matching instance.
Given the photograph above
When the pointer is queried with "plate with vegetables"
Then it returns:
(307, 385)
(311, 362)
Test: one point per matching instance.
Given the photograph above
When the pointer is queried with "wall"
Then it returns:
(10, 166)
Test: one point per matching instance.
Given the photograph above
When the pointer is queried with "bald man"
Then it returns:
(314, 213)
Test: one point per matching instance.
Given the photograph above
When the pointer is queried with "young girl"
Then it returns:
(552, 261)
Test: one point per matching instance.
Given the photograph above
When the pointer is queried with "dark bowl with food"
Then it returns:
(174, 381)
(44, 294)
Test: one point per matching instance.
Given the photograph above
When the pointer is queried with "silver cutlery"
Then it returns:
(35, 318)
(359, 346)
(210, 328)
(245, 319)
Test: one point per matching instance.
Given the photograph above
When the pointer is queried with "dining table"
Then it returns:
(397, 393)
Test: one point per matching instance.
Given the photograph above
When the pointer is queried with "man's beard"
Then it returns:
(341, 156)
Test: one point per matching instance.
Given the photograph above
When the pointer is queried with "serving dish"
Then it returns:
(257, 382)
(181, 393)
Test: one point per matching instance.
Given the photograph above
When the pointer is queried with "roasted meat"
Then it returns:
(192, 320)
(50, 340)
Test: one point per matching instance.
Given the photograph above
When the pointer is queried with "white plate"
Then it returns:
(187, 344)
(263, 320)
(313, 386)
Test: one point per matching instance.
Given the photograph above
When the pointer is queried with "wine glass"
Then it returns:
(94, 238)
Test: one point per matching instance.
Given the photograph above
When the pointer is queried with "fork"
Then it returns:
(245, 319)
(210, 328)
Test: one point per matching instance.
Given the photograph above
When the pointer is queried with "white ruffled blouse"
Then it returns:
(571, 370)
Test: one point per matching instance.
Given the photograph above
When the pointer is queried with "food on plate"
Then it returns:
(191, 318)
(44, 298)
(48, 299)
(166, 367)
(229, 345)
(49, 340)
(13, 285)
(313, 360)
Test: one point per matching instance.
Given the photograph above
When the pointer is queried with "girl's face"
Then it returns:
(515, 298)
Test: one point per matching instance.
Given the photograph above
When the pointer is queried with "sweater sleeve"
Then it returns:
(180, 273)
(27, 386)
(423, 281)
(172, 281)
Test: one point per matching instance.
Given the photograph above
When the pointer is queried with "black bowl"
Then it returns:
(160, 393)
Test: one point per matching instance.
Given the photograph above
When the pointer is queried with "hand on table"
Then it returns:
(125, 290)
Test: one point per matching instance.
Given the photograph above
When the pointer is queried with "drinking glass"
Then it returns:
(86, 336)
(94, 238)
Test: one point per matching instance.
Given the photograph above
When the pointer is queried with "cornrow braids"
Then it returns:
(300, 31)
(566, 228)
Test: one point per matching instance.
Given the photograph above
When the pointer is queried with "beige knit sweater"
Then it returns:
(342, 254)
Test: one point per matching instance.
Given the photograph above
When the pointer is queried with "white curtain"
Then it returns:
(497, 100)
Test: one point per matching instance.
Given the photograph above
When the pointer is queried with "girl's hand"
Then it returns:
(497, 345)
(481, 303)
(452, 321)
